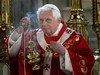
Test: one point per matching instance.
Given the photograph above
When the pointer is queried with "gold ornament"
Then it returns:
(33, 56)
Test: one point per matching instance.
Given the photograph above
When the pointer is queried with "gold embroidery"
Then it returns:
(74, 39)
(82, 64)
(67, 46)
(77, 37)
(84, 69)
(71, 41)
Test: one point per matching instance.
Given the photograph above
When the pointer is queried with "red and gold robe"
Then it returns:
(77, 60)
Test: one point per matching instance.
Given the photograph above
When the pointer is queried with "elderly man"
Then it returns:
(58, 49)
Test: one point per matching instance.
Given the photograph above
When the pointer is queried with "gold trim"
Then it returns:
(77, 37)
(82, 64)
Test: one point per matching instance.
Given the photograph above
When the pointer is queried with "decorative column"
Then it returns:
(5, 22)
(77, 20)
(96, 20)
(96, 28)
(6, 11)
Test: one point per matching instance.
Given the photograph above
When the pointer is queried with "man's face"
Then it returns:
(48, 23)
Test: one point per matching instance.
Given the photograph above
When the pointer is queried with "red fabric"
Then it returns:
(28, 69)
(76, 53)
(80, 51)
(55, 66)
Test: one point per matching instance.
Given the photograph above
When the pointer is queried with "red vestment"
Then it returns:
(80, 54)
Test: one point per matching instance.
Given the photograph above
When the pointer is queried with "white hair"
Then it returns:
(53, 8)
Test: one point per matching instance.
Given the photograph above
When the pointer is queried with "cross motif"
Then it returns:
(68, 31)
(46, 66)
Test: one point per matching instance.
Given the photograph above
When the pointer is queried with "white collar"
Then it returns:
(58, 30)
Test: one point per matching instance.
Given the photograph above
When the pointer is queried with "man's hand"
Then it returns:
(57, 47)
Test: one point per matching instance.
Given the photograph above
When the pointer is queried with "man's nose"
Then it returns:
(44, 23)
